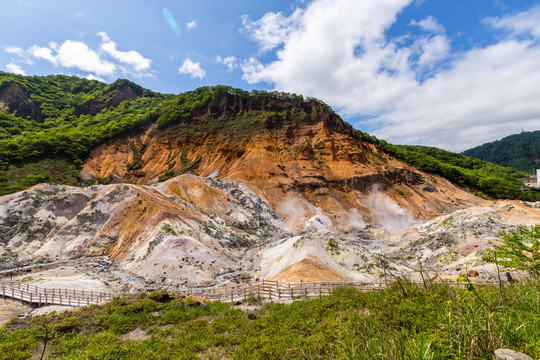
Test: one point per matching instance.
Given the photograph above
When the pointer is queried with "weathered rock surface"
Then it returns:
(194, 231)
(17, 101)
(113, 99)
(507, 354)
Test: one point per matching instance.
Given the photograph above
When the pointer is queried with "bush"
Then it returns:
(519, 249)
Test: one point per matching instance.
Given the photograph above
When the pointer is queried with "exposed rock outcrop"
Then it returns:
(94, 106)
(17, 101)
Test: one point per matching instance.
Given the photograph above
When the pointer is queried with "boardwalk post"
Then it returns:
(30, 298)
(279, 292)
(232, 296)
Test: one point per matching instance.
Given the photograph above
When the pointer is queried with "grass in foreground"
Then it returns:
(438, 323)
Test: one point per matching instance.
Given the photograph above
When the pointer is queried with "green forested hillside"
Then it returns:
(519, 151)
(50, 147)
(485, 178)
(67, 116)
(52, 142)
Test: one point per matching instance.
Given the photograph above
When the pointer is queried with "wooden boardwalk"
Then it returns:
(265, 289)
(35, 295)
(268, 289)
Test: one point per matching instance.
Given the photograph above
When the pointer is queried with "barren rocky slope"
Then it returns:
(249, 188)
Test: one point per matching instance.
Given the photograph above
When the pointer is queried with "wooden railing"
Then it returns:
(51, 296)
(267, 289)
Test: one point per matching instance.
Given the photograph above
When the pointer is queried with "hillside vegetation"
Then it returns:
(64, 117)
(439, 322)
(484, 178)
(518, 151)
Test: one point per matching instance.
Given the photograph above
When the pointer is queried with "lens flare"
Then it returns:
(171, 20)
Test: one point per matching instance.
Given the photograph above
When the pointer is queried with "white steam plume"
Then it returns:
(299, 213)
(387, 213)
(354, 220)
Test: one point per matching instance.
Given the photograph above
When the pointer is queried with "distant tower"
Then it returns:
(538, 178)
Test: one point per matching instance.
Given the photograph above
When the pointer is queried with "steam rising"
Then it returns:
(318, 223)
(387, 213)
(354, 220)
(299, 213)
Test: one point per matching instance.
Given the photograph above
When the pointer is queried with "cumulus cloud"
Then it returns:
(134, 60)
(527, 22)
(192, 68)
(432, 50)
(231, 62)
(192, 24)
(273, 29)
(15, 50)
(487, 94)
(429, 24)
(42, 53)
(94, 77)
(417, 91)
(76, 54)
(14, 68)
(106, 61)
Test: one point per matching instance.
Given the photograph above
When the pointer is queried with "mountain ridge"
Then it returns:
(519, 151)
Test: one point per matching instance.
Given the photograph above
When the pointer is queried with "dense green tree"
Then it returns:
(519, 151)
(518, 249)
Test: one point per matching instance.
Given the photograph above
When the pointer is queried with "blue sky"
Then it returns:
(451, 74)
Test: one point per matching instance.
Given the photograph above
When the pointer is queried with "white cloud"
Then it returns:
(487, 94)
(192, 24)
(273, 29)
(136, 63)
(15, 50)
(108, 61)
(14, 68)
(231, 62)
(93, 77)
(76, 54)
(192, 68)
(428, 24)
(42, 53)
(527, 22)
(432, 50)
(352, 64)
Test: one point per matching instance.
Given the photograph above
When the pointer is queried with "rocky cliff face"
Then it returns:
(204, 231)
(314, 155)
(253, 188)
(14, 98)
(113, 99)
